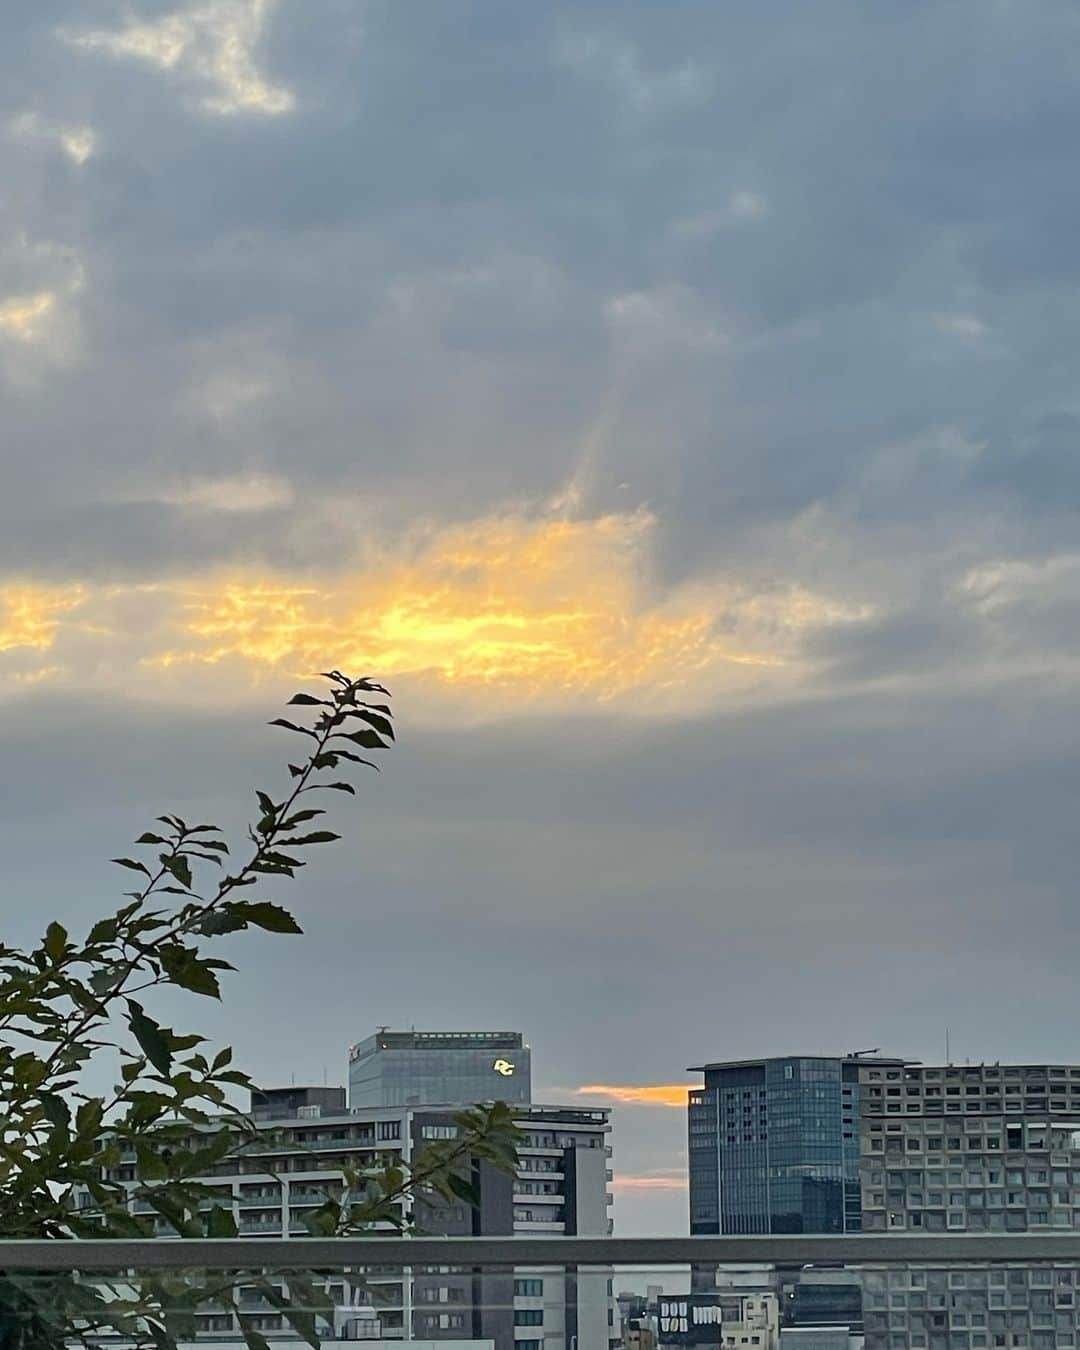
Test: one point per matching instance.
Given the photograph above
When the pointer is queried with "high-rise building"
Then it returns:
(437, 1068)
(986, 1148)
(938, 1148)
(774, 1145)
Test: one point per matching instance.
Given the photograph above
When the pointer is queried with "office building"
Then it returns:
(985, 1148)
(439, 1068)
(306, 1137)
(774, 1146)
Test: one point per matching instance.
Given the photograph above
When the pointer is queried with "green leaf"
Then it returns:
(273, 918)
(179, 866)
(298, 817)
(280, 859)
(101, 981)
(132, 864)
(369, 740)
(220, 1223)
(323, 1222)
(375, 720)
(88, 1117)
(149, 838)
(154, 1039)
(223, 920)
(103, 931)
(319, 837)
(309, 701)
(302, 1320)
(354, 758)
(255, 1340)
(55, 940)
(56, 1110)
(151, 1165)
(184, 968)
(463, 1190)
(291, 726)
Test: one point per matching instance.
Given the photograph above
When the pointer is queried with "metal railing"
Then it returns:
(226, 1253)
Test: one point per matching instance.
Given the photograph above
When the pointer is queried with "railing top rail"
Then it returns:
(307, 1253)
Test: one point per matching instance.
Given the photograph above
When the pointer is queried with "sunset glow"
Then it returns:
(508, 606)
(627, 1182)
(645, 1094)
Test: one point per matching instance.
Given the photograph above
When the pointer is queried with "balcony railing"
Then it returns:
(594, 1293)
(796, 1249)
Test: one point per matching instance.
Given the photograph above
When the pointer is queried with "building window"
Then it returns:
(528, 1288)
(528, 1317)
(388, 1129)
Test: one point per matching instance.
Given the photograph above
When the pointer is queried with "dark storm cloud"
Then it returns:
(802, 279)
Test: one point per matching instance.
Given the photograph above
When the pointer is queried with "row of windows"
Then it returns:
(442, 1321)
(916, 1197)
(974, 1176)
(973, 1306)
(1034, 1073)
(994, 1277)
(989, 1221)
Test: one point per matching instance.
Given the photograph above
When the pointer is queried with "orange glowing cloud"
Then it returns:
(503, 603)
(642, 1094)
(649, 1182)
(505, 611)
(31, 615)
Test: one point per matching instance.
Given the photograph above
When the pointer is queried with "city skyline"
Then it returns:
(673, 405)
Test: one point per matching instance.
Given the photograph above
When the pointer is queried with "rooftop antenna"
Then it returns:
(861, 1054)
(948, 1057)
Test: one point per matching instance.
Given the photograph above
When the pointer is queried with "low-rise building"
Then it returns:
(306, 1138)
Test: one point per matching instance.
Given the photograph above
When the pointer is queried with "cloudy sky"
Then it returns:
(675, 403)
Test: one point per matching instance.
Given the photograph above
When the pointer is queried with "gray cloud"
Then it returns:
(804, 286)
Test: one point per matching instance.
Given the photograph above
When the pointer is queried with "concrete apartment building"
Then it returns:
(561, 1188)
(853, 1144)
(987, 1148)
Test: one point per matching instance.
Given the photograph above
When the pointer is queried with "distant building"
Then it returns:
(561, 1188)
(718, 1318)
(820, 1338)
(774, 1146)
(816, 1298)
(438, 1068)
(287, 1102)
(637, 1334)
(858, 1144)
(983, 1148)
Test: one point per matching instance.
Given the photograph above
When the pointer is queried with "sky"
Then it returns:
(675, 404)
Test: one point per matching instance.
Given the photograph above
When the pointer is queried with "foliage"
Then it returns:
(67, 1007)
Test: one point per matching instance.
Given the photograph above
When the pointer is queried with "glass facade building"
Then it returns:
(774, 1147)
(436, 1068)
